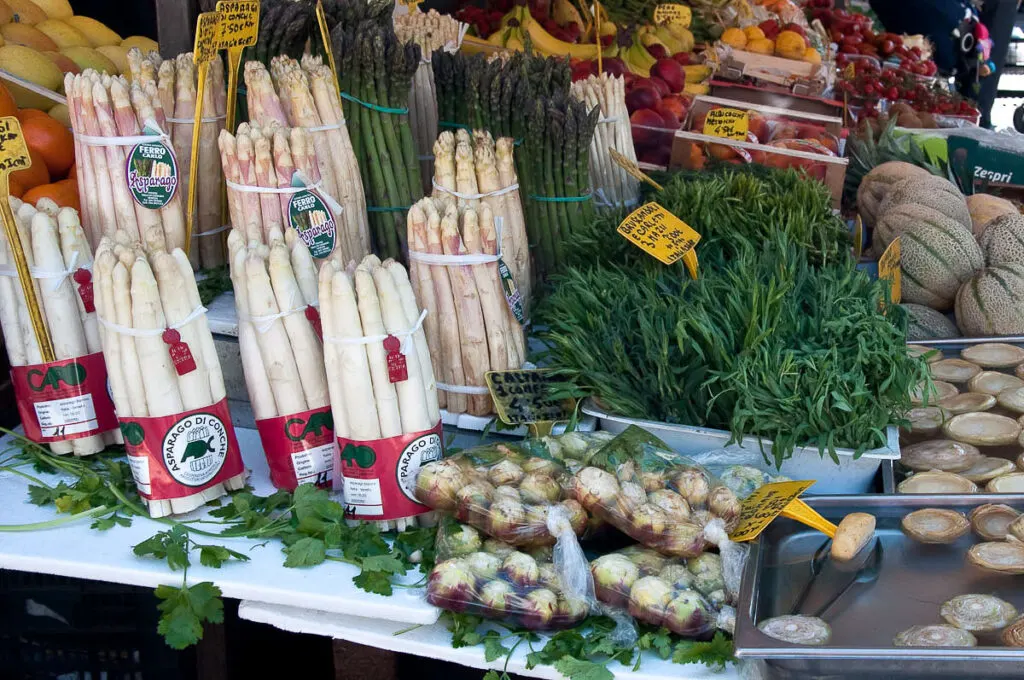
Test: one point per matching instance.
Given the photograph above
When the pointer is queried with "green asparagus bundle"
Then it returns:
(375, 73)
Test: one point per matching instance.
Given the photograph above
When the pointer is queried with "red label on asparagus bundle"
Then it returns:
(65, 399)
(181, 355)
(83, 277)
(379, 476)
(182, 454)
(398, 370)
(313, 315)
(299, 448)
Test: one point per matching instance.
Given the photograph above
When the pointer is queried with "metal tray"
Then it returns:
(957, 344)
(913, 582)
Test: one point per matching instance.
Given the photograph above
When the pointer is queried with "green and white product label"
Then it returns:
(512, 295)
(152, 174)
(311, 217)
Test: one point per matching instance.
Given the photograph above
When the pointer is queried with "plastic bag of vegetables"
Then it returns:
(659, 498)
(507, 491)
(541, 588)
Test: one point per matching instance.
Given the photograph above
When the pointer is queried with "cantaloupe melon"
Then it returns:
(936, 259)
(986, 207)
(899, 218)
(992, 302)
(876, 183)
(924, 323)
(1002, 242)
(931, 191)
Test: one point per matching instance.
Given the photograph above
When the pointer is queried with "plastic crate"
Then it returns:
(82, 630)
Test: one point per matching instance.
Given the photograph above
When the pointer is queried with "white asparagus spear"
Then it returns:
(159, 379)
(124, 205)
(129, 354)
(492, 301)
(388, 410)
(104, 295)
(303, 266)
(210, 357)
(412, 314)
(210, 248)
(336, 380)
(451, 371)
(261, 396)
(360, 403)
(9, 303)
(423, 288)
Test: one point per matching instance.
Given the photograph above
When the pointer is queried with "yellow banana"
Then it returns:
(515, 41)
(549, 44)
(498, 37)
(671, 43)
(696, 88)
(633, 56)
(641, 55)
(697, 73)
(649, 39)
(564, 12)
(611, 51)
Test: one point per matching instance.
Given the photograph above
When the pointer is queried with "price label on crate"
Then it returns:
(207, 30)
(889, 268)
(659, 233)
(522, 397)
(673, 14)
(239, 23)
(764, 505)
(727, 123)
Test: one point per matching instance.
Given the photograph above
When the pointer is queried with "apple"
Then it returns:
(757, 125)
(647, 128)
(770, 28)
(682, 58)
(657, 51)
(655, 83)
(642, 97)
(676, 104)
(671, 73)
(668, 117)
(614, 66)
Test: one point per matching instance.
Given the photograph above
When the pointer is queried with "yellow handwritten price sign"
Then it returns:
(14, 156)
(204, 51)
(631, 168)
(325, 38)
(764, 505)
(850, 72)
(522, 397)
(238, 28)
(412, 5)
(673, 14)
(889, 268)
(659, 233)
(727, 123)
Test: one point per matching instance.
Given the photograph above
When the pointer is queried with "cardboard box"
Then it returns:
(801, 77)
(777, 97)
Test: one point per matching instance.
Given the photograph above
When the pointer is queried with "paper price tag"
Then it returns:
(13, 150)
(239, 23)
(850, 71)
(631, 168)
(673, 14)
(520, 397)
(858, 237)
(410, 4)
(727, 123)
(889, 268)
(764, 505)
(207, 32)
(659, 233)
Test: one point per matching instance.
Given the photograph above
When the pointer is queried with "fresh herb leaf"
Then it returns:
(306, 552)
(183, 611)
(714, 654)
(493, 649)
(581, 669)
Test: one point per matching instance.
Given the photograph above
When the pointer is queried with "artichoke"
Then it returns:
(505, 517)
(450, 585)
(722, 502)
(572, 609)
(542, 466)
(649, 561)
(671, 503)
(614, 575)
(498, 596)
(484, 565)
(538, 608)
(549, 577)
(693, 484)
(438, 483)
(688, 614)
(507, 491)
(683, 539)
(578, 518)
(520, 569)
(538, 487)
(459, 541)
(938, 635)
(798, 630)
(648, 598)
(473, 500)
(648, 522)
(978, 612)
(631, 496)
(505, 472)
(677, 576)
(593, 487)
(498, 548)
(743, 480)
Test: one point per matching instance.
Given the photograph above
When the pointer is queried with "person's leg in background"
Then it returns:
(998, 16)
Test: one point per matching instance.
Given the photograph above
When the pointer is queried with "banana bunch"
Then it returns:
(510, 36)
(636, 57)
(675, 38)
(564, 12)
(518, 24)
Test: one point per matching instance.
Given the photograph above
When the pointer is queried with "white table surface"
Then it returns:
(434, 641)
(77, 551)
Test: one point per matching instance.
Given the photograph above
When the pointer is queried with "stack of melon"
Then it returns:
(41, 40)
(957, 253)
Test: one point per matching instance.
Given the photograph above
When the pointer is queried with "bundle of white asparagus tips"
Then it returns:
(306, 97)
(453, 255)
(108, 115)
(619, 188)
(396, 416)
(257, 158)
(282, 357)
(431, 31)
(474, 169)
(175, 80)
(56, 249)
(162, 364)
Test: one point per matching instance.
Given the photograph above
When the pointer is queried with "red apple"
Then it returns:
(671, 73)
(655, 83)
(796, 28)
(682, 58)
(647, 128)
(757, 125)
(770, 28)
(642, 97)
(657, 51)
(674, 103)
(614, 66)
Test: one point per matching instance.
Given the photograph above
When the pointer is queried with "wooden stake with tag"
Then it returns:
(325, 37)
(238, 29)
(14, 156)
(203, 52)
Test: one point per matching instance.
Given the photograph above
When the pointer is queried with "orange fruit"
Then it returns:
(761, 46)
(15, 187)
(7, 105)
(35, 175)
(63, 193)
(734, 37)
(52, 140)
(753, 33)
(73, 172)
(27, 114)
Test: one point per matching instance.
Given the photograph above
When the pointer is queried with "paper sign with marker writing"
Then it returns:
(727, 123)
(673, 14)
(13, 151)
(521, 397)
(207, 29)
(850, 72)
(659, 233)
(889, 268)
(239, 24)
(764, 505)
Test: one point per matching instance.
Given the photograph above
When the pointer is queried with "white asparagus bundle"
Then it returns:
(175, 81)
(474, 169)
(111, 108)
(608, 93)
(453, 256)
(431, 31)
(358, 307)
(138, 296)
(54, 244)
(306, 96)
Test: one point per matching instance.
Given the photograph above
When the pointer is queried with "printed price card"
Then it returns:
(764, 505)
(889, 268)
(659, 233)
(521, 397)
(673, 14)
(727, 123)
(207, 30)
(239, 23)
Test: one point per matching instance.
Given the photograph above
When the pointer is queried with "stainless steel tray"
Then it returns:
(913, 582)
(957, 344)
